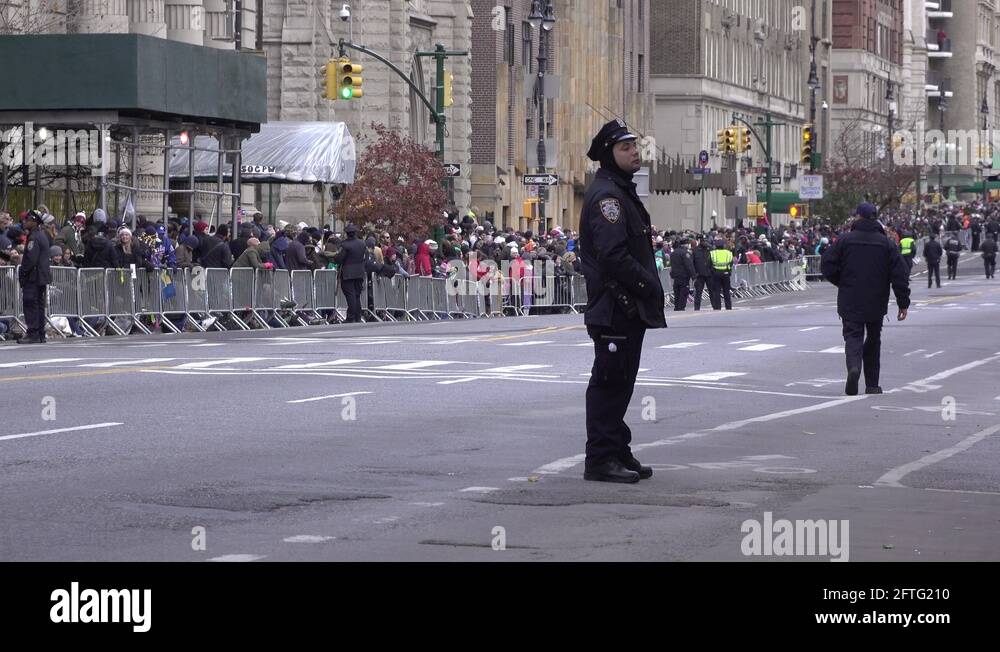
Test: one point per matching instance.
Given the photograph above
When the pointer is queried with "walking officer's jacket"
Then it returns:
(35, 264)
(616, 251)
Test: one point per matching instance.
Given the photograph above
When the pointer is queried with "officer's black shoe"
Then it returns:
(873, 390)
(852, 382)
(611, 471)
(29, 340)
(633, 464)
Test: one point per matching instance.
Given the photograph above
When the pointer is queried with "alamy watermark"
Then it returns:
(53, 148)
(796, 538)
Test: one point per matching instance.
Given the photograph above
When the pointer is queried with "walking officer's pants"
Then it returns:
(721, 284)
(612, 380)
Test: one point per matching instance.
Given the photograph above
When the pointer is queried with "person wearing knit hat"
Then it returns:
(200, 227)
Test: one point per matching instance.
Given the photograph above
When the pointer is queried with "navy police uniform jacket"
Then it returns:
(615, 247)
(35, 267)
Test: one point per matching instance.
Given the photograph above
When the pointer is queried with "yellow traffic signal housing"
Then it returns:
(730, 140)
(747, 141)
(808, 140)
(449, 79)
(794, 210)
(350, 80)
(720, 139)
(329, 72)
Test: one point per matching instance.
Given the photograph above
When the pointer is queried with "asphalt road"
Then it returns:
(243, 446)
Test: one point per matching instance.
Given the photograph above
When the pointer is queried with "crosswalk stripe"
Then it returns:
(833, 349)
(7, 365)
(527, 343)
(761, 347)
(715, 375)
(420, 364)
(516, 368)
(122, 363)
(744, 341)
(213, 363)
(813, 328)
(311, 365)
(681, 345)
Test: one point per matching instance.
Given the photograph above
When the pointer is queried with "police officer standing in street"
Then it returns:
(990, 255)
(863, 264)
(907, 249)
(351, 259)
(722, 268)
(34, 275)
(703, 267)
(932, 254)
(954, 249)
(682, 271)
(625, 298)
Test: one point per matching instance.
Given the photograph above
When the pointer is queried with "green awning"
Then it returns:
(781, 202)
(978, 187)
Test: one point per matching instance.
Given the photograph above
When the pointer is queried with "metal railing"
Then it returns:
(123, 301)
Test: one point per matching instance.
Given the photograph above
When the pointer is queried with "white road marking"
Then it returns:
(833, 349)
(527, 343)
(122, 363)
(931, 355)
(421, 504)
(906, 355)
(987, 304)
(591, 343)
(307, 538)
(8, 365)
(479, 490)
(925, 384)
(681, 345)
(212, 363)
(744, 341)
(516, 368)
(446, 342)
(761, 347)
(420, 364)
(457, 381)
(322, 398)
(561, 465)
(238, 558)
(813, 328)
(715, 375)
(313, 365)
(893, 477)
(58, 430)
(208, 345)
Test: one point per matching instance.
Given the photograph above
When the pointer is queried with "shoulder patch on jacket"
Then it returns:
(611, 209)
(31, 244)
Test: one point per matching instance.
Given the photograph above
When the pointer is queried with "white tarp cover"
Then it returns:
(283, 152)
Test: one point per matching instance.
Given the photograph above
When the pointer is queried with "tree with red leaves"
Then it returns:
(397, 186)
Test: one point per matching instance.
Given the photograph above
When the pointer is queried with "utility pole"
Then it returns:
(546, 22)
(768, 124)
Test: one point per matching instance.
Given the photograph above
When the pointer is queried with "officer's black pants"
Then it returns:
(864, 352)
(33, 301)
(934, 271)
(975, 242)
(352, 292)
(952, 266)
(990, 262)
(612, 381)
(699, 287)
(680, 295)
(909, 264)
(720, 285)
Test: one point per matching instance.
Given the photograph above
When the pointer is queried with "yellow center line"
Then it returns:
(81, 374)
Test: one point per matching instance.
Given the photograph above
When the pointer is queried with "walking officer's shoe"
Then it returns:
(853, 375)
(633, 464)
(873, 390)
(611, 471)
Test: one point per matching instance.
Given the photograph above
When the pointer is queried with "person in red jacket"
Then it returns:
(423, 259)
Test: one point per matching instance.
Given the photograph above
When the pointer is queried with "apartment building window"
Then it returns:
(642, 70)
(508, 39)
(527, 60)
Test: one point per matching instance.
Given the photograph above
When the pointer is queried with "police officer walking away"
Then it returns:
(954, 248)
(863, 264)
(34, 275)
(990, 255)
(907, 248)
(722, 268)
(682, 271)
(932, 254)
(626, 298)
(703, 267)
(351, 259)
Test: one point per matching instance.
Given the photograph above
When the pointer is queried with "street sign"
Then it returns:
(762, 181)
(703, 158)
(452, 170)
(533, 191)
(811, 186)
(541, 179)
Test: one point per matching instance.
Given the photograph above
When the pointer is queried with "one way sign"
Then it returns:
(541, 179)
(452, 170)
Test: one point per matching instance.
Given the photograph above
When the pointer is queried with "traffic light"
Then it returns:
(349, 80)
(794, 210)
(807, 145)
(720, 138)
(449, 98)
(747, 143)
(730, 141)
(330, 80)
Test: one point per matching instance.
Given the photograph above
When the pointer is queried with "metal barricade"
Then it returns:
(93, 301)
(813, 267)
(439, 297)
(578, 289)
(390, 297)
(122, 300)
(418, 297)
(491, 292)
(302, 293)
(10, 298)
(175, 301)
(63, 297)
(325, 289)
(147, 295)
(224, 296)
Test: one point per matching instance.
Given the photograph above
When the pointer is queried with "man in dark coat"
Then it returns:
(863, 264)
(625, 298)
(682, 270)
(703, 269)
(295, 256)
(214, 252)
(953, 248)
(99, 251)
(34, 276)
(990, 255)
(351, 259)
(932, 254)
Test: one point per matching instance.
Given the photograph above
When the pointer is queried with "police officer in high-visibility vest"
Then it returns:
(722, 267)
(907, 248)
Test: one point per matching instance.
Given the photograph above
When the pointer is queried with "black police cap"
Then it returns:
(613, 132)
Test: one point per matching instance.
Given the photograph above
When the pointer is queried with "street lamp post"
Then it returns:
(890, 99)
(813, 87)
(546, 22)
(942, 108)
(985, 110)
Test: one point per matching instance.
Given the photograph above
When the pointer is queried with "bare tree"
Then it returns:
(35, 16)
